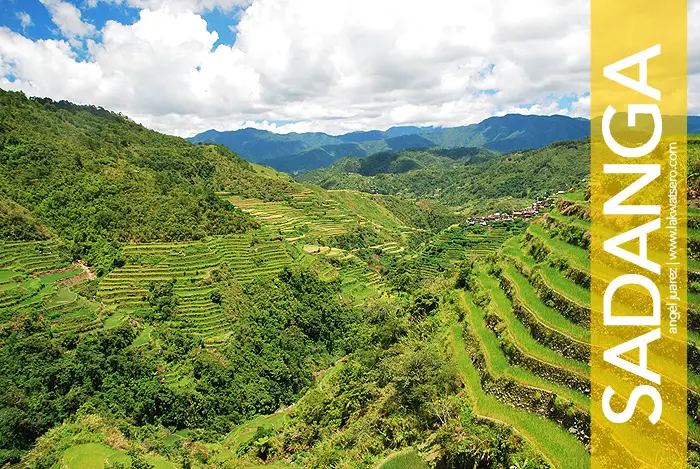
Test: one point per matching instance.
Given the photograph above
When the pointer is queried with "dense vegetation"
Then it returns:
(400, 162)
(285, 329)
(18, 224)
(268, 324)
(481, 181)
(95, 177)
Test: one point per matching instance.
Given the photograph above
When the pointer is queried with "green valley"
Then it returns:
(165, 304)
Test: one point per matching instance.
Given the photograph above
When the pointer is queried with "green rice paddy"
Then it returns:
(521, 334)
(99, 456)
(408, 459)
(576, 255)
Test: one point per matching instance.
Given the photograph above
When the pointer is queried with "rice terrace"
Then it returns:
(370, 265)
(317, 308)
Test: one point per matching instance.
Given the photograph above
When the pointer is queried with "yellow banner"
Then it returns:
(638, 227)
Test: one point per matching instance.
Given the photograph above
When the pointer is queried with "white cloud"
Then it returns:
(549, 107)
(69, 20)
(323, 65)
(178, 5)
(24, 19)
(582, 107)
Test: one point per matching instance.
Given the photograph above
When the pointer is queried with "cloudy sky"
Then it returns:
(184, 66)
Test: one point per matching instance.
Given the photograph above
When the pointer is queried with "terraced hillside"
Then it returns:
(34, 287)
(519, 340)
(189, 265)
(358, 280)
(514, 375)
(459, 243)
(314, 213)
(120, 294)
(235, 318)
(522, 342)
(170, 305)
(309, 214)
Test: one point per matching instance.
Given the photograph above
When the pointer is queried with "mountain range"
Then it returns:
(300, 152)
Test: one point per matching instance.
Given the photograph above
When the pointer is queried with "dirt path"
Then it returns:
(86, 274)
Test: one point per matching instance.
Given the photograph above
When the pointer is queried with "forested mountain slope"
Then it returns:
(93, 176)
(299, 152)
(482, 182)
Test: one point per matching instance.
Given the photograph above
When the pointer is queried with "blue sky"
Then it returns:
(42, 26)
(332, 66)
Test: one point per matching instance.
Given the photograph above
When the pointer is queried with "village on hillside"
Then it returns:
(522, 214)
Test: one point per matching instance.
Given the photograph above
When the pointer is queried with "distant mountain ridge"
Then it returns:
(295, 152)
(298, 152)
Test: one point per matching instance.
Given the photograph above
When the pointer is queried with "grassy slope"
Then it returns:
(579, 257)
(552, 276)
(408, 459)
(521, 334)
(98, 456)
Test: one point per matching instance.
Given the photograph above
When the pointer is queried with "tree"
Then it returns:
(138, 461)
(162, 298)
(423, 304)
(464, 273)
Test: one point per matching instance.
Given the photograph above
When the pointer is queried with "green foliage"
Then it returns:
(572, 234)
(97, 178)
(405, 281)
(423, 304)
(216, 296)
(464, 275)
(427, 215)
(138, 461)
(285, 328)
(409, 273)
(420, 376)
(360, 236)
(410, 160)
(507, 181)
(36, 368)
(18, 224)
(260, 445)
(392, 385)
(465, 443)
(162, 299)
